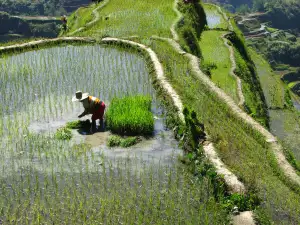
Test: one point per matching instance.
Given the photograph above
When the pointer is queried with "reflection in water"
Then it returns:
(213, 20)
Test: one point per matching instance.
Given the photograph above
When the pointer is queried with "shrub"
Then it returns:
(63, 134)
(130, 116)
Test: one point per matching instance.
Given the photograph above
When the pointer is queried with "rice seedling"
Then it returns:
(130, 116)
(124, 142)
(79, 124)
(63, 134)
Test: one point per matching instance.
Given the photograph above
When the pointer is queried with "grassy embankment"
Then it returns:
(81, 17)
(216, 62)
(240, 147)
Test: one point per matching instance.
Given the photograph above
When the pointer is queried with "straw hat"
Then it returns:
(79, 96)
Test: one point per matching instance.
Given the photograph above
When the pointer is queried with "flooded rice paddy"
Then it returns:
(37, 88)
(82, 181)
(213, 20)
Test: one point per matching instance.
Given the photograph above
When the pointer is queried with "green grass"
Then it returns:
(292, 84)
(79, 124)
(81, 17)
(239, 146)
(130, 116)
(271, 30)
(214, 51)
(133, 17)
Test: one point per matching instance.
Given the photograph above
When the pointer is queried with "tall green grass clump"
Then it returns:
(130, 116)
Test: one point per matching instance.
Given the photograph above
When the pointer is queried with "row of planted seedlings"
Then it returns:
(44, 180)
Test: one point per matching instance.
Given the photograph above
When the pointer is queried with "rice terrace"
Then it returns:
(146, 112)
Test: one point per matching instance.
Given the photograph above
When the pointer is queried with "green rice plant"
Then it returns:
(130, 116)
(125, 142)
(82, 148)
(79, 124)
(63, 134)
(129, 141)
(114, 141)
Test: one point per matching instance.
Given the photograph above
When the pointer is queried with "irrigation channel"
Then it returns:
(43, 179)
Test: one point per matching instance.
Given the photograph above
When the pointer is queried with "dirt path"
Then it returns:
(94, 21)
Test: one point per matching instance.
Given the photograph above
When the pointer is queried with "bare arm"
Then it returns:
(83, 114)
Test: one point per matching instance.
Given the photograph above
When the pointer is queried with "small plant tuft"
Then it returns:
(79, 124)
(115, 141)
(63, 134)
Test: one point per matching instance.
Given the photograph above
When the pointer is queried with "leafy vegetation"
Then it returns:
(80, 17)
(130, 116)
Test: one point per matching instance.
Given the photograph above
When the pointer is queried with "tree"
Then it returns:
(243, 9)
(258, 5)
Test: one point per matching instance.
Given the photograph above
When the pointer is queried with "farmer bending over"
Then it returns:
(92, 105)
